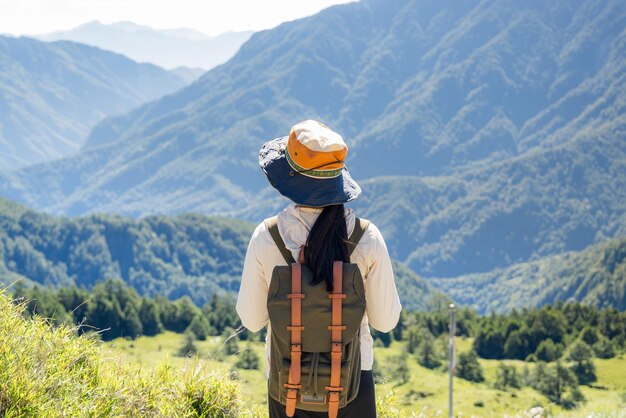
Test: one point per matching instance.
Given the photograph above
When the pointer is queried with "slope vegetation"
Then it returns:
(595, 276)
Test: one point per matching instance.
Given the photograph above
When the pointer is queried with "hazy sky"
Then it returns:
(19, 17)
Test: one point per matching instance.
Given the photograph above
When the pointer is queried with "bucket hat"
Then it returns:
(308, 166)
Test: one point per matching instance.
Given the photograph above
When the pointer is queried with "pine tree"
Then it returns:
(469, 368)
(427, 354)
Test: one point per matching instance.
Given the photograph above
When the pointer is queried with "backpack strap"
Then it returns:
(272, 226)
(336, 327)
(296, 328)
(360, 225)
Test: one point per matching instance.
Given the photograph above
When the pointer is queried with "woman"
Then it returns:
(308, 168)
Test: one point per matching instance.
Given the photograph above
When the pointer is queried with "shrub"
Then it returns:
(398, 370)
(188, 348)
(506, 376)
(248, 359)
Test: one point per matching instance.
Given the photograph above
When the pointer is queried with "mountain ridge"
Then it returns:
(52, 94)
(509, 117)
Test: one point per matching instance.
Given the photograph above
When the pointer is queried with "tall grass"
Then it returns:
(48, 371)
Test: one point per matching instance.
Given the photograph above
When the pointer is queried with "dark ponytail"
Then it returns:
(327, 242)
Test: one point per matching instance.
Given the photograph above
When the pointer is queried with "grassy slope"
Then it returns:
(149, 351)
(49, 372)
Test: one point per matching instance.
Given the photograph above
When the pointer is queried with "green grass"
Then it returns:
(49, 372)
(426, 393)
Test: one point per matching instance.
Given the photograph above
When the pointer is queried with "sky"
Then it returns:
(30, 17)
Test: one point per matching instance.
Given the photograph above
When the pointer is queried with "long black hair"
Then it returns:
(327, 242)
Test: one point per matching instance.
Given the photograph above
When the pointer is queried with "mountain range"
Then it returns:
(167, 48)
(484, 134)
(595, 276)
(189, 254)
(52, 94)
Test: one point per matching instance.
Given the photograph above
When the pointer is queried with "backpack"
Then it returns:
(315, 360)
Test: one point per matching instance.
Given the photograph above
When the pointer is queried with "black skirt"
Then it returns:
(363, 406)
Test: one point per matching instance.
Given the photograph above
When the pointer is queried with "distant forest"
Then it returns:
(539, 334)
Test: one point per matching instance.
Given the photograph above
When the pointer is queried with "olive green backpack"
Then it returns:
(315, 361)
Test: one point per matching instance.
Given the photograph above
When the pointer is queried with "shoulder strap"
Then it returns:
(272, 225)
(360, 225)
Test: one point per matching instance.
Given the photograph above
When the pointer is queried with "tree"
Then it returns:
(248, 359)
(189, 347)
(131, 325)
(149, 317)
(489, 343)
(518, 344)
(469, 368)
(581, 354)
(398, 370)
(200, 327)
(186, 310)
(589, 335)
(547, 351)
(506, 376)
(427, 353)
(559, 385)
(604, 348)
(413, 334)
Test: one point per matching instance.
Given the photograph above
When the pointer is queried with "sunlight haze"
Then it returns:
(28, 17)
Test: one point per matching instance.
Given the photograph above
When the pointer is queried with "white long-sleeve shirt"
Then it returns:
(371, 256)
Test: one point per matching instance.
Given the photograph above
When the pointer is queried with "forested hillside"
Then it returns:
(188, 254)
(484, 133)
(595, 276)
(170, 256)
(52, 94)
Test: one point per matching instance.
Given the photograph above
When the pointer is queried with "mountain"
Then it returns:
(167, 48)
(595, 276)
(189, 254)
(484, 134)
(52, 94)
(188, 75)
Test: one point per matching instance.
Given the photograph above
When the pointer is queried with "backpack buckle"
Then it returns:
(296, 348)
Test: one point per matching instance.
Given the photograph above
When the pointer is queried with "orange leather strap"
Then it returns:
(336, 328)
(296, 296)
